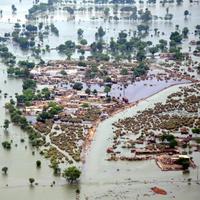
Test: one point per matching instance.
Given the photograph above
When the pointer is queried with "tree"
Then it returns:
(176, 37)
(31, 181)
(78, 86)
(26, 64)
(186, 13)
(54, 29)
(162, 44)
(71, 174)
(23, 42)
(153, 50)
(185, 32)
(31, 28)
(167, 10)
(88, 91)
(124, 71)
(29, 83)
(69, 10)
(6, 124)
(145, 16)
(80, 33)
(140, 70)
(95, 92)
(173, 143)
(107, 90)
(141, 55)
(179, 2)
(106, 11)
(14, 9)
(50, 2)
(38, 163)
(6, 145)
(143, 27)
(40, 25)
(4, 170)
(155, 31)
(101, 32)
(83, 42)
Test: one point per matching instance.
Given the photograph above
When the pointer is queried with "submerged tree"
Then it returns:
(14, 9)
(4, 170)
(185, 32)
(6, 124)
(80, 33)
(31, 181)
(72, 174)
(186, 13)
(38, 163)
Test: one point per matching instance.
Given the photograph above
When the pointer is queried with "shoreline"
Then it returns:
(92, 131)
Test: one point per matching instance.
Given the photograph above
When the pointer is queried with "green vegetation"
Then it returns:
(71, 174)
(78, 86)
(107, 89)
(55, 166)
(54, 29)
(196, 130)
(23, 70)
(31, 181)
(42, 7)
(170, 139)
(6, 145)
(30, 94)
(67, 48)
(38, 163)
(6, 124)
(7, 57)
(184, 162)
(175, 37)
(49, 112)
(140, 70)
(18, 119)
(4, 170)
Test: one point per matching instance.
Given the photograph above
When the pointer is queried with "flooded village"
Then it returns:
(99, 99)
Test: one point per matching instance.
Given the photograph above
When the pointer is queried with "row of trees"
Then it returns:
(7, 57)
(124, 47)
(18, 119)
(71, 174)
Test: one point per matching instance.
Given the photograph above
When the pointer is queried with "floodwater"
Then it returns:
(132, 180)
(68, 28)
(20, 161)
(100, 179)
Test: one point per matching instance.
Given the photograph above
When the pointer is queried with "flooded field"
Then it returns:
(68, 27)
